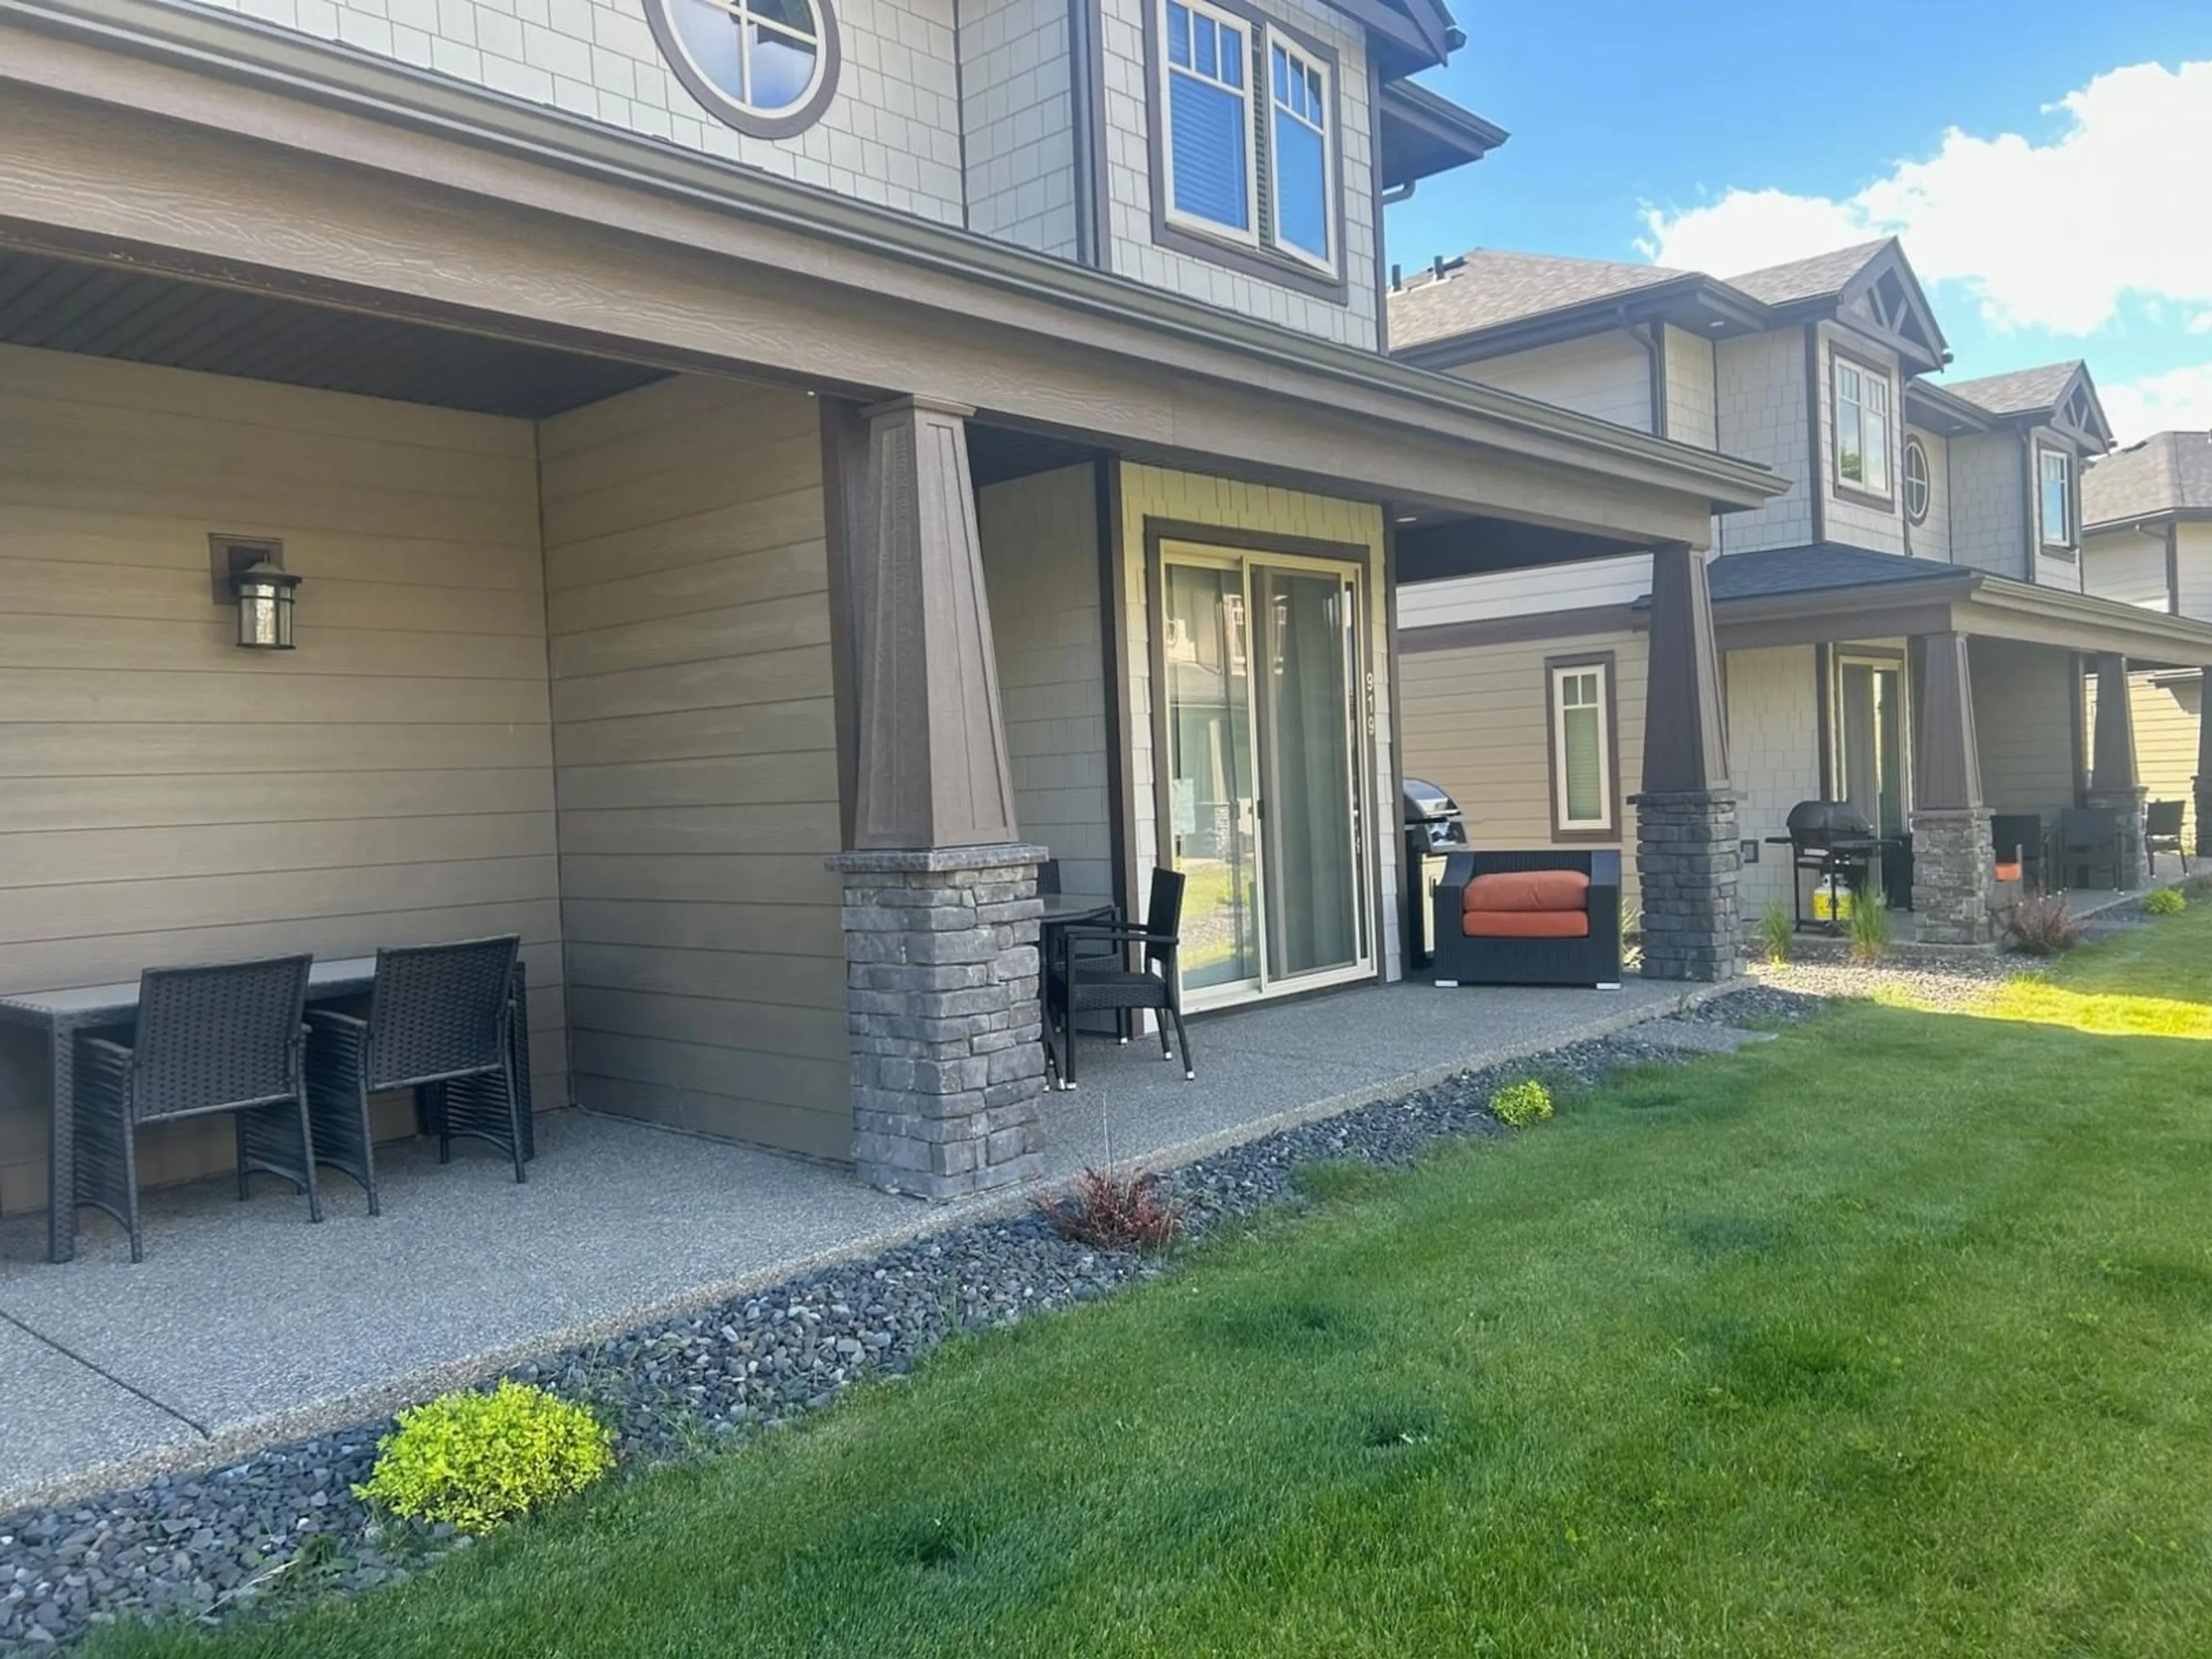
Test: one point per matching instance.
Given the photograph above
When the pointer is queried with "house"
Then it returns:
(742, 467)
(1904, 628)
(2146, 540)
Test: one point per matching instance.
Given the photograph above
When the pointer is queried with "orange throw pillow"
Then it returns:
(1525, 924)
(2008, 873)
(1528, 890)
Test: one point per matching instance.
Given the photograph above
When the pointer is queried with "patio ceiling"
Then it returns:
(113, 310)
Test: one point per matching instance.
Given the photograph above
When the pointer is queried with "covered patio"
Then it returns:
(109, 1371)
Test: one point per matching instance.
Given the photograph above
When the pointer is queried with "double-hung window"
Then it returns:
(1862, 415)
(1247, 146)
(1582, 747)
(2055, 481)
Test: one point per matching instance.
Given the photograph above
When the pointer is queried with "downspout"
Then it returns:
(1655, 353)
(1084, 82)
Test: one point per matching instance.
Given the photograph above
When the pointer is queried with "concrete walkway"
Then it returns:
(246, 1325)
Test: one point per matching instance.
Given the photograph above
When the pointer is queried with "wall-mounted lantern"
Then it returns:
(250, 573)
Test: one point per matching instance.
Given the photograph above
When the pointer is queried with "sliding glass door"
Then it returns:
(1265, 812)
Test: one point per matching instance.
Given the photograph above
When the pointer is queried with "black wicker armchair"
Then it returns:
(2088, 846)
(2163, 832)
(1575, 942)
(1078, 982)
(438, 1025)
(223, 1038)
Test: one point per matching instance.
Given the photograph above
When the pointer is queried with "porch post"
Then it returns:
(940, 910)
(1953, 863)
(1686, 819)
(2114, 781)
(2201, 783)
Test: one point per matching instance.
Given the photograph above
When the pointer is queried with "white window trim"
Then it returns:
(1838, 362)
(1567, 821)
(2065, 536)
(1300, 57)
(1196, 223)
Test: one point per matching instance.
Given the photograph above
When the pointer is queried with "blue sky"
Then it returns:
(2048, 166)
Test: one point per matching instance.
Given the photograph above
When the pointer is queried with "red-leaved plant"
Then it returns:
(1110, 1211)
(2042, 926)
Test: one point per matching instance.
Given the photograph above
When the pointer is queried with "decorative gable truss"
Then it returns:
(1884, 301)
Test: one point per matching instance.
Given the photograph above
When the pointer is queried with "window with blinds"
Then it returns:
(1582, 747)
(1209, 119)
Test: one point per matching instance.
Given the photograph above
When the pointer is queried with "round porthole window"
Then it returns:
(766, 67)
(1916, 480)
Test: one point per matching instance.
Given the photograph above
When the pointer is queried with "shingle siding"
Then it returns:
(1692, 411)
(1774, 758)
(1931, 539)
(1760, 383)
(1989, 504)
(1858, 522)
(1016, 99)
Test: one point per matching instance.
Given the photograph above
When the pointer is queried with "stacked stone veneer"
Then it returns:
(1687, 860)
(2127, 805)
(942, 1012)
(1954, 867)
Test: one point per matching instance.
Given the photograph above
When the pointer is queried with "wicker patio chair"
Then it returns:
(2163, 832)
(1077, 982)
(2087, 842)
(438, 1025)
(2017, 838)
(223, 1038)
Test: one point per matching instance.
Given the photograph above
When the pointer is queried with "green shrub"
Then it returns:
(474, 1459)
(1522, 1104)
(1778, 933)
(2166, 901)
(1870, 928)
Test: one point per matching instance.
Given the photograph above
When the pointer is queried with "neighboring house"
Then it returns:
(1930, 531)
(715, 439)
(2146, 540)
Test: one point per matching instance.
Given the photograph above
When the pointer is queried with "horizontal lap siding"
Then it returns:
(1477, 725)
(2167, 707)
(695, 744)
(2023, 705)
(166, 797)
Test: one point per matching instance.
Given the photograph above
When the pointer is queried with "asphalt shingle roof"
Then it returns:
(2171, 472)
(1817, 278)
(1779, 570)
(1491, 286)
(2020, 392)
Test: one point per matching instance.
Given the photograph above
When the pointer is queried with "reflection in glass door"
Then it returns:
(1873, 772)
(1212, 808)
(1264, 808)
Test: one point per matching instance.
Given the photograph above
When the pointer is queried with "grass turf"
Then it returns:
(1890, 1337)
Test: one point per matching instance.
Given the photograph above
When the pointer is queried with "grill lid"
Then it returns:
(1828, 820)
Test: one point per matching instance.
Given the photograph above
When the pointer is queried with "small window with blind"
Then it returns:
(1584, 804)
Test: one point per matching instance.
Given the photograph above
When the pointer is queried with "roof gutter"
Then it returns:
(245, 51)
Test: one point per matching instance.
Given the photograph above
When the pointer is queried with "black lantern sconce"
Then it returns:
(250, 575)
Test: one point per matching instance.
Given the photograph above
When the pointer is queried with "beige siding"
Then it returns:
(1758, 394)
(2023, 704)
(1774, 758)
(166, 797)
(1693, 410)
(1040, 553)
(695, 761)
(2167, 708)
(1476, 724)
(2193, 568)
(1608, 375)
(1193, 498)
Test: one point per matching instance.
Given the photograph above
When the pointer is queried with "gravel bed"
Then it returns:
(283, 1525)
(1953, 980)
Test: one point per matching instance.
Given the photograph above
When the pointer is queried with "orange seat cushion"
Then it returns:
(2008, 873)
(1525, 924)
(1524, 890)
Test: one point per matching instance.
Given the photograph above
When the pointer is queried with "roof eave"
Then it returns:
(1588, 317)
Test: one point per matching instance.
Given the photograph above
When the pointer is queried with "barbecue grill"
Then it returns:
(1832, 841)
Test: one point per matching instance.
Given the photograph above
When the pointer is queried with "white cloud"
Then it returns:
(2177, 399)
(2046, 236)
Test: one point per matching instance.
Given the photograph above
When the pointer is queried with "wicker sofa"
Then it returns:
(1546, 917)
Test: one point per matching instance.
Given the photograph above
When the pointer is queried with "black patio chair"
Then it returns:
(2087, 842)
(2163, 832)
(2018, 838)
(1077, 982)
(221, 1038)
(1048, 876)
(439, 1022)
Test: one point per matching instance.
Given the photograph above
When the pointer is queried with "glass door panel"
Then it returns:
(1874, 744)
(1212, 802)
(1309, 816)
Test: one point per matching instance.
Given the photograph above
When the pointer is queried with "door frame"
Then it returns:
(1228, 544)
(1877, 657)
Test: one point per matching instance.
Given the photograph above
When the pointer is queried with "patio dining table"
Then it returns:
(1063, 910)
(63, 1015)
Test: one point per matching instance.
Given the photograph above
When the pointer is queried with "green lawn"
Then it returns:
(1891, 1337)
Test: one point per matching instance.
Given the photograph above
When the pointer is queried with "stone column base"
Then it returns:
(946, 1028)
(1953, 871)
(1687, 859)
(2128, 804)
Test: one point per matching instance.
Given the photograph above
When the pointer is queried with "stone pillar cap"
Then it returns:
(878, 860)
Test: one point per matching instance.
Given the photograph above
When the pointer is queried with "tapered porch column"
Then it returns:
(2114, 781)
(1954, 864)
(1686, 822)
(940, 911)
(2201, 784)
